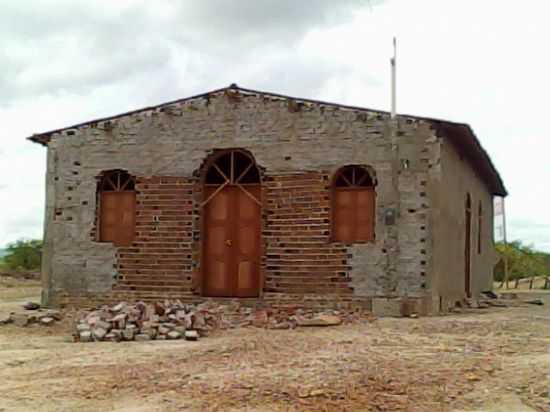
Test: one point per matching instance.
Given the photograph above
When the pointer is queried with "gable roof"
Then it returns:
(460, 135)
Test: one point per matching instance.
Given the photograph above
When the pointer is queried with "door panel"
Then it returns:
(247, 278)
(216, 241)
(219, 281)
(231, 252)
(217, 257)
(247, 239)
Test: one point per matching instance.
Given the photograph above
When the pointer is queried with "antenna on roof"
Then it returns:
(393, 61)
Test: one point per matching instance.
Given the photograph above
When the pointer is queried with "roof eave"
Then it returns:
(453, 130)
(471, 147)
(42, 139)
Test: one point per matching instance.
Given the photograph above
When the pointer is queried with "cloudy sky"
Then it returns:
(481, 62)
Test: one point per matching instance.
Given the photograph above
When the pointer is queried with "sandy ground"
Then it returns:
(480, 360)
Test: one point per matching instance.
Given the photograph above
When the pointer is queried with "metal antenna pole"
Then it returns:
(393, 61)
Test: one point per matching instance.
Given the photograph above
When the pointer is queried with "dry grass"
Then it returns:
(460, 362)
(13, 289)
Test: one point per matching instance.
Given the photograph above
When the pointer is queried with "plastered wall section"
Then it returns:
(449, 228)
(285, 138)
(399, 264)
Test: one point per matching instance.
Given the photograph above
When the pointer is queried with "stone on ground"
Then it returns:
(19, 319)
(191, 335)
(142, 337)
(47, 321)
(85, 336)
(99, 333)
(5, 319)
(128, 334)
(81, 327)
(31, 306)
(174, 334)
(320, 320)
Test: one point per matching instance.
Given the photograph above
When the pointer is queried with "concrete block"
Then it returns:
(386, 307)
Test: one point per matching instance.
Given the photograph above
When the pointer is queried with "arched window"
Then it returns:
(117, 206)
(479, 225)
(233, 167)
(353, 207)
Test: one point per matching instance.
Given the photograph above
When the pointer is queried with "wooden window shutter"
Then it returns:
(117, 209)
(353, 206)
(365, 214)
(344, 215)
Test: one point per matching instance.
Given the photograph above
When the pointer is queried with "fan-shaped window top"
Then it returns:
(233, 167)
(353, 176)
(117, 181)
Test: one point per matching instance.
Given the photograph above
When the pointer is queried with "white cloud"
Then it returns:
(68, 61)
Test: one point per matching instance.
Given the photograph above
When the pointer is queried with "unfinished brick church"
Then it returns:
(269, 199)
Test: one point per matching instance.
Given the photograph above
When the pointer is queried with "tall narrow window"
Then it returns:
(479, 226)
(353, 205)
(117, 205)
(467, 245)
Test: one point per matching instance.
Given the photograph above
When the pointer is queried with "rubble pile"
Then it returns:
(37, 317)
(142, 322)
(176, 320)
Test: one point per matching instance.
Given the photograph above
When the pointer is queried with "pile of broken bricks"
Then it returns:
(170, 320)
(142, 322)
(33, 315)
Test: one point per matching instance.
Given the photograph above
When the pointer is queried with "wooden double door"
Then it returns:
(232, 241)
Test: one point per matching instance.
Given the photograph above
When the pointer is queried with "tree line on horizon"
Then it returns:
(524, 261)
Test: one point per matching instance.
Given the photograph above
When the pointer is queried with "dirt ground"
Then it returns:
(494, 359)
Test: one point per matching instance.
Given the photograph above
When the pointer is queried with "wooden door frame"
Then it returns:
(208, 163)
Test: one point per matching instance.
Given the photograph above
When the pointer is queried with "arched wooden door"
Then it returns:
(232, 226)
(468, 246)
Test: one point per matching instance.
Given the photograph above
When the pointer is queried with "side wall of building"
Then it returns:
(298, 146)
(458, 180)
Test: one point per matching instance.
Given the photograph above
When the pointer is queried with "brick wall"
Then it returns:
(160, 259)
(300, 258)
(297, 150)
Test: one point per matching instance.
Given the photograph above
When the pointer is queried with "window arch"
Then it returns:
(353, 205)
(234, 168)
(117, 208)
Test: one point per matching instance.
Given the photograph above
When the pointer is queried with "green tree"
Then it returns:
(24, 255)
(523, 261)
